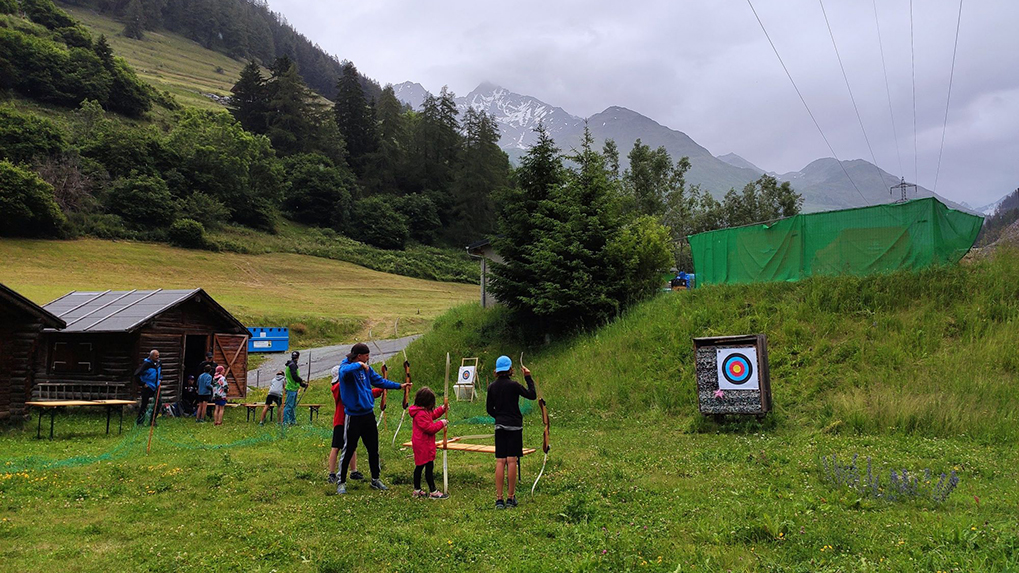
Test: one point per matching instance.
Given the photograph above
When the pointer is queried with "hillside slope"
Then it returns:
(930, 353)
(167, 61)
(324, 301)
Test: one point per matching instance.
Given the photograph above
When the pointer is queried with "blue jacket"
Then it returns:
(150, 373)
(356, 387)
(205, 384)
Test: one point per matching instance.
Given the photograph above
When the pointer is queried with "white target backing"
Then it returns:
(466, 375)
(738, 369)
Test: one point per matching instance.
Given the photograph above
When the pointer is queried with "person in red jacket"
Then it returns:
(338, 418)
(424, 416)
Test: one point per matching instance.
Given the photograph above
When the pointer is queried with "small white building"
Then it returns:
(484, 251)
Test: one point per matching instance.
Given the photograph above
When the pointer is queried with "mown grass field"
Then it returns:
(636, 481)
(167, 61)
(322, 300)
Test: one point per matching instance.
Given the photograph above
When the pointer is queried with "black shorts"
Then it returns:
(338, 438)
(509, 443)
(204, 398)
(271, 398)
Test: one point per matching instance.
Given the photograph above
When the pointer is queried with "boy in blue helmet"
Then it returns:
(504, 405)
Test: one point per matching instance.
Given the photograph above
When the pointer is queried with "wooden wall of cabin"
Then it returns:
(18, 338)
(85, 366)
(166, 332)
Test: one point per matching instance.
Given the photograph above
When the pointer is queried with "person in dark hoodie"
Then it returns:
(148, 375)
(503, 404)
(356, 381)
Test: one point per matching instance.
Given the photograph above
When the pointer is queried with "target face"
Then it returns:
(466, 375)
(737, 369)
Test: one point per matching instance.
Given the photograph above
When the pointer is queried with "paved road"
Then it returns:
(323, 359)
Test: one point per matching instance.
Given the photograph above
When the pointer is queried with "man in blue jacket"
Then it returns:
(148, 375)
(356, 381)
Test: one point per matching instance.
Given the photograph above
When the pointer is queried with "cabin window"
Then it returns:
(76, 357)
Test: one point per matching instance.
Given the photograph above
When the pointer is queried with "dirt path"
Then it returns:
(319, 361)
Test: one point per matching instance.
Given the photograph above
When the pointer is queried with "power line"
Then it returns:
(951, 76)
(804, 101)
(851, 96)
(912, 66)
(888, 90)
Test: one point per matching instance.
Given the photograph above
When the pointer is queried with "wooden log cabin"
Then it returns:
(21, 325)
(109, 333)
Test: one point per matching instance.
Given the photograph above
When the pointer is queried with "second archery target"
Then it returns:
(737, 369)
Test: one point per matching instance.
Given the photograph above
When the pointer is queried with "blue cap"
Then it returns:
(503, 364)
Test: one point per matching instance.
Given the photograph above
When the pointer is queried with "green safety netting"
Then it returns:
(910, 235)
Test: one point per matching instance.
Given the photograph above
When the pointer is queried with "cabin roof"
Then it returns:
(12, 298)
(125, 311)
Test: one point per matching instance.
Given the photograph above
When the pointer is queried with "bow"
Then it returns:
(544, 418)
(382, 402)
(445, 400)
(406, 394)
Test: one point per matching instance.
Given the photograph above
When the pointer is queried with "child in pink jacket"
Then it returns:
(424, 414)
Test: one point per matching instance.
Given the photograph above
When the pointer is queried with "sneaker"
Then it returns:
(438, 495)
(356, 475)
(418, 493)
(377, 484)
(511, 502)
(341, 488)
(500, 504)
(332, 478)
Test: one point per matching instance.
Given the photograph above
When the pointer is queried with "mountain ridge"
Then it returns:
(822, 182)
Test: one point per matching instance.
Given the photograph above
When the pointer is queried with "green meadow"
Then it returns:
(911, 370)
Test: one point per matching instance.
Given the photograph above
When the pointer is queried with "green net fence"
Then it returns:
(884, 238)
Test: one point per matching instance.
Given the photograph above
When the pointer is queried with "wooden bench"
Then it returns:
(54, 405)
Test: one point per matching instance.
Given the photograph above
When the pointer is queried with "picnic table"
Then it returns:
(54, 405)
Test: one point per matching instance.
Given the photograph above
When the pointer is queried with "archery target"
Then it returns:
(466, 375)
(737, 369)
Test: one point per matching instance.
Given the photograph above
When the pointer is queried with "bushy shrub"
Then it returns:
(319, 192)
(27, 208)
(9, 7)
(74, 37)
(205, 209)
(422, 217)
(143, 202)
(377, 223)
(23, 137)
(46, 13)
(188, 234)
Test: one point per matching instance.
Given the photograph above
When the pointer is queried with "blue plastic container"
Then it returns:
(269, 339)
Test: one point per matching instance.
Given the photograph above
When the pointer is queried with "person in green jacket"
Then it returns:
(294, 382)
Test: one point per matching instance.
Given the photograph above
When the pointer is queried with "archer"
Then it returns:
(503, 404)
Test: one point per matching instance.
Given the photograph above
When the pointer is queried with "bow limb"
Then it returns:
(382, 401)
(406, 394)
(545, 445)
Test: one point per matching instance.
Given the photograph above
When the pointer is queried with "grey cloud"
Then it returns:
(705, 68)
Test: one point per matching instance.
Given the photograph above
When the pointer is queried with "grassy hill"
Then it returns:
(167, 61)
(911, 371)
(928, 353)
(322, 300)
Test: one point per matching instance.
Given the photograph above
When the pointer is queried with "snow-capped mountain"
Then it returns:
(518, 115)
(411, 93)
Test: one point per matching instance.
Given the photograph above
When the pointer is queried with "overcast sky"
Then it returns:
(705, 68)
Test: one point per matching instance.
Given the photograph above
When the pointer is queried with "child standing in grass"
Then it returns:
(424, 414)
(204, 391)
(219, 394)
(503, 404)
(338, 435)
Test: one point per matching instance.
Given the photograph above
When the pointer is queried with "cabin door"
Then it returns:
(231, 352)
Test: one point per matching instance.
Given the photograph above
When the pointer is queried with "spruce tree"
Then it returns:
(288, 103)
(484, 170)
(249, 101)
(354, 118)
(134, 21)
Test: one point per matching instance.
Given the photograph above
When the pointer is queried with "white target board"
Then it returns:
(466, 375)
(737, 369)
